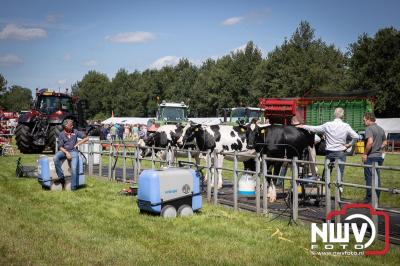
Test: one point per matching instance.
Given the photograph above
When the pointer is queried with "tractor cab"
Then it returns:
(49, 103)
(171, 113)
(242, 115)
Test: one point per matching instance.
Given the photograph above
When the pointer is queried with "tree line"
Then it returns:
(302, 65)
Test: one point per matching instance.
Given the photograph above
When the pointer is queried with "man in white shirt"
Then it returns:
(336, 133)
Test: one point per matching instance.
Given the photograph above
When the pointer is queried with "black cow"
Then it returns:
(279, 142)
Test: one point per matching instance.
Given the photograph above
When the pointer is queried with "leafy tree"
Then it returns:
(301, 66)
(181, 81)
(93, 88)
(3, 84)
(204, 100)
(226, 82)
(138, 95)
(242, 74)
(375, 67)
(17, 98)
(157, 82)
(120, 94)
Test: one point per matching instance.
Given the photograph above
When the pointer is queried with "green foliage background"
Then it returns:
(302, 65)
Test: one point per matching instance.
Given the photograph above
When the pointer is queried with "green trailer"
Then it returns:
(320, 111)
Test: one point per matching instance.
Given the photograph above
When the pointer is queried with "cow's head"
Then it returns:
(189, 133)
(251, 132)
(255, 134)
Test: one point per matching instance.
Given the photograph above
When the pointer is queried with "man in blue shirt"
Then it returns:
(67, 144)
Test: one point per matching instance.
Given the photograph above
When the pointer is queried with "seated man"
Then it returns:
(67, 144)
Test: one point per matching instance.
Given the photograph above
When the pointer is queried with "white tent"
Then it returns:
(127, 120)
(389, 125)
(207, 120)
(143, 120)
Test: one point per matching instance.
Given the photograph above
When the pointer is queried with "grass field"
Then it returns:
(97, 225)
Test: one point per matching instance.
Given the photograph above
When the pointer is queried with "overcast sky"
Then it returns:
(54, 43)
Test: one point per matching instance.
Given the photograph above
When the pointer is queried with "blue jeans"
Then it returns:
(368, 175)
(341, 156)
(59, 158)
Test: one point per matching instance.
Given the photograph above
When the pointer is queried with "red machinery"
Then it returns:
(317, 110)
(281, 110)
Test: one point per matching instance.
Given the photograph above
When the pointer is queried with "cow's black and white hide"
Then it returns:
(222, 138)
(167, 136)
(279, 142)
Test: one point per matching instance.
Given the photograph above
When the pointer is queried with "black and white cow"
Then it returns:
(220, 138)
(167, 136)
(279, 142)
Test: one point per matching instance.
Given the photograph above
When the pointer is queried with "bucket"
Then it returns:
(360, 147)
(247, 185)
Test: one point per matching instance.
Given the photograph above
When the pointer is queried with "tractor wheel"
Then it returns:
(54, 131)
(25, 141)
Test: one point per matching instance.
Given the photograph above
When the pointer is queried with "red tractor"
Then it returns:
(39, 128)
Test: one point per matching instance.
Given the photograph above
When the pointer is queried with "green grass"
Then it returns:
(96, 225)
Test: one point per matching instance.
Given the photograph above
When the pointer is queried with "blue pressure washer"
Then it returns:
(169, 192)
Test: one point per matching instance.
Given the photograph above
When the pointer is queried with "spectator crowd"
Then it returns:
(126, 132)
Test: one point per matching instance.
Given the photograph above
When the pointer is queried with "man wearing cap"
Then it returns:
(67, 145)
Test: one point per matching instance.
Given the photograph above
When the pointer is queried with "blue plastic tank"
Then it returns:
(44, 171)
(173, 186)
(197, 200)
(81, 170)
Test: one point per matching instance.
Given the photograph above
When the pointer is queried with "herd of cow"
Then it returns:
(273, 140)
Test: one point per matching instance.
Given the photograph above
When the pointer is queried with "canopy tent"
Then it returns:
(389, 125)
(207, 120)
(143, 120)
(127, 120)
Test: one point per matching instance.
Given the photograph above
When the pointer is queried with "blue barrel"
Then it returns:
(44, 171)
